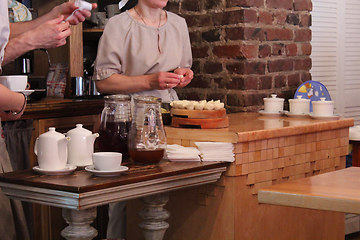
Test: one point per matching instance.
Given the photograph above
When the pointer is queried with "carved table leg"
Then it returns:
(79, 224)
(154, 214)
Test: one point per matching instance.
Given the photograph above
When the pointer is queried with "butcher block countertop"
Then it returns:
(245, 127)
(59, 107)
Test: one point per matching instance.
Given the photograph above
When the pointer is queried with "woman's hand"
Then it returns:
(187, 75)
(164, 80)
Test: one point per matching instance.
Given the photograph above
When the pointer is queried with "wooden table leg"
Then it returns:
(79, 224)
(154, 214)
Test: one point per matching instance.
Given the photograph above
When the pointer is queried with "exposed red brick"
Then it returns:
(212, 67)
(226, 51)
(254, 99)
(244, 3)
(281, 65)
(235, 99)
(200, 52)
(291, 49)
(264, 51)
(250, 15)
(280, 17)
(285, 4)
(236, 67)
(301, 5)
(265, 17)
(249, 50)
(236, 83)
(302, 64)
(254, 68)
(280, 81)
(277, 49)
(235, 33)
(276, 34)
(294, 80)
(199, 82)
(251, 33)
(265, 82)
(306, 48)
(302, 35)
(305, 20)
(251, 83)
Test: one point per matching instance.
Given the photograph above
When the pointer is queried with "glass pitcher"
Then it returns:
(147, 139)
(115, 125)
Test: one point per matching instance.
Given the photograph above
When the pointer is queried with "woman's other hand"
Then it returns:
(186, 76)
(164, 80)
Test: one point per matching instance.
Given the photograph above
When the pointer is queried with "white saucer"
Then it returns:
(296, 115)
(334, 117)
(68, 169)
(112, 173)
(270, 114)
(26, 92)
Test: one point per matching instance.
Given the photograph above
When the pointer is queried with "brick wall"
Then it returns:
(244, 50)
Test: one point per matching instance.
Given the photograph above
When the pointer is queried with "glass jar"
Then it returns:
(115, 125)
(147, 139)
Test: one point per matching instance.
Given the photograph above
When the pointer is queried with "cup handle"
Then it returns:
(35, 146)
(27, 86)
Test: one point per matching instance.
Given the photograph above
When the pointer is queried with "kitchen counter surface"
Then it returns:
(245, 127)
(59, 107)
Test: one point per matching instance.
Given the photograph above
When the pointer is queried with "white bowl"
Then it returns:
(323, 108)
(14, 82)
(273, 104)
(107, 161)
(299, 105)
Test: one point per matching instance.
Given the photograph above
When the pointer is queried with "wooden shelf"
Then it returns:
(93, 30)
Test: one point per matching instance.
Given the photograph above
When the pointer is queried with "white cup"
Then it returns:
(323, 108)
(15, 82)
(273, 104)
(106, 161)
(299, 105)
(112, 10)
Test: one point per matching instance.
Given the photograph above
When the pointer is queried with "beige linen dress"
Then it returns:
(132, 48)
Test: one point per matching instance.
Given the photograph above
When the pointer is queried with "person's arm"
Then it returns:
(118, 83)
(64, 9)
(12, 104)
(51, 34)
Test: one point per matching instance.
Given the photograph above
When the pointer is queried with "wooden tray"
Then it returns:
(198, 114)
(208, 123)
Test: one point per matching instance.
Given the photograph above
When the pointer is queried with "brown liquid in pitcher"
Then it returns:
(146, 156)
(113, 137)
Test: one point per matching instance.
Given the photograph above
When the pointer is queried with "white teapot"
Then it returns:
(81, 146)
(51, 151)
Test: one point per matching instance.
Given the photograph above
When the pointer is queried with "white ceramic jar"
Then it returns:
(273, 104)
(323, 108)
(299, 105)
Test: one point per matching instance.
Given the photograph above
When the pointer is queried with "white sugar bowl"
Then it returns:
(273, 104)
(323, 108)
(299, 105)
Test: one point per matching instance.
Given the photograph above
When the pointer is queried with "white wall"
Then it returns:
(336, 52)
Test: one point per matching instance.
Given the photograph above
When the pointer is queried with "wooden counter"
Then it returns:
(268, 151)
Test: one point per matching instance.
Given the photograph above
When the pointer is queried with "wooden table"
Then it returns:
(79, 193)
(334, 191)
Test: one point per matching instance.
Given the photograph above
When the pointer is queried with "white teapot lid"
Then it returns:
(79, 130)
(52, 134)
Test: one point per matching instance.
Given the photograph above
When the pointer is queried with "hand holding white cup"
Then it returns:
(107, 161)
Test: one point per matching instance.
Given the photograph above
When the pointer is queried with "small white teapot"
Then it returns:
(81, 146)
(51, 151)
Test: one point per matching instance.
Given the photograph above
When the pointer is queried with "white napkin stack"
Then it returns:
(216, 151)
(179, 153)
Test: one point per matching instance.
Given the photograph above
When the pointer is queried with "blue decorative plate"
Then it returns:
(312, 90)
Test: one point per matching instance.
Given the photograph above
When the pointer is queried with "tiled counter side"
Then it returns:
(268, 151)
